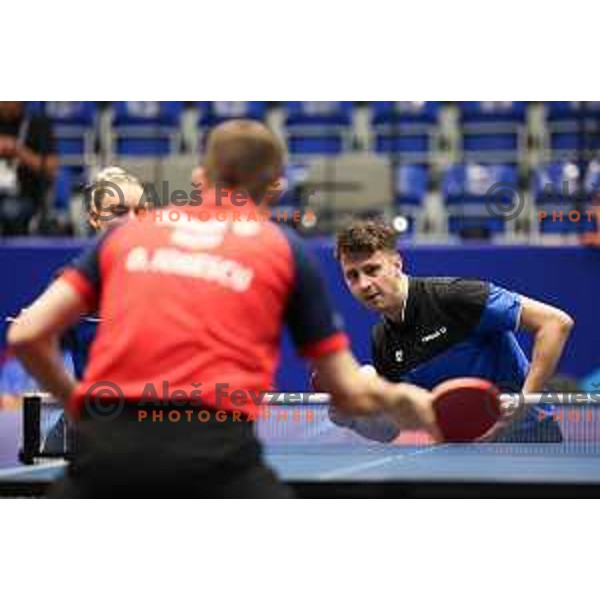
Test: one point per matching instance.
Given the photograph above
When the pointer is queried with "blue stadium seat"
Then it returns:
(566, 217)
(573, 128)
(405, 112)
(563, 198)
(315, 128)
(592, 189)
(465, 190)
(211, 113)
(411, 183)
(405, 128)
(492, 131)
(556, 182)
(592, 180)
(559, 111)
(469, 183)
(74, 125)
(62, 188)
(147, 128)
(475, 226)
(494, 112)
(69, 181)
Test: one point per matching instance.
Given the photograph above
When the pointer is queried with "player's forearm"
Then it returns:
(548, 347)
(34, 336)
(44, 362)
(357, 392)
(352, 391)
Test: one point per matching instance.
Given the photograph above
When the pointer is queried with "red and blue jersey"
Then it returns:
(195, 309)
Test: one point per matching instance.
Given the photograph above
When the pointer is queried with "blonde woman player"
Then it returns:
(112, 197)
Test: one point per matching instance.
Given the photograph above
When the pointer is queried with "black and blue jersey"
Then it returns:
(456, 327)
(452, 328)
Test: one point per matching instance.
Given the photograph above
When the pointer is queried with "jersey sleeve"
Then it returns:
(462, 300)
(490, 307)
(502, 310)
(315, 327)
(84, 274)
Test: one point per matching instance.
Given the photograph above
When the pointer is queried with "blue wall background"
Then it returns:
(568, 277)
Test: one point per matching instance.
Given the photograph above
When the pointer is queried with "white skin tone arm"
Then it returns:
(360, 393)
(550, 328)
(34, 339)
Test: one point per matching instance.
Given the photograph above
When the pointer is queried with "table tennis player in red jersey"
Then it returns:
(196, 306)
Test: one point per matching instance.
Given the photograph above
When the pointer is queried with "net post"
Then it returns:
(31, 428)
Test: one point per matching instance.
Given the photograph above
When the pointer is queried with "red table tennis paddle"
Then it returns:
(466, 408)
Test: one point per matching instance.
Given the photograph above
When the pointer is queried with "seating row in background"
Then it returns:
(487, 200)
(495, 199)
(466, 200)
(409, 130)
(496, 134)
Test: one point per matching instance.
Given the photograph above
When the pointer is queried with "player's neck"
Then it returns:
(397, 312)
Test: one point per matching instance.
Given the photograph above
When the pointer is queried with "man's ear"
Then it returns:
(398, 263)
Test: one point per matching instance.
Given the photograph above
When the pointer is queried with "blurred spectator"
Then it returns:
(28, 165)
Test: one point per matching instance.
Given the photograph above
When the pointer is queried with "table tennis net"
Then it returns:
(304, 420)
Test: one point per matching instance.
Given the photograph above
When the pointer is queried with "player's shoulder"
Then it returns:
(286, 234)
(112, 234)
(453, 300)
(451, 289)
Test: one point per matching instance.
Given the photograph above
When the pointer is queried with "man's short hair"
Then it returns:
(365, 237)
(245, 154)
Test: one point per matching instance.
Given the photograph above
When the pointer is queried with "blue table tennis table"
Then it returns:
(321, 459)
(384, 470)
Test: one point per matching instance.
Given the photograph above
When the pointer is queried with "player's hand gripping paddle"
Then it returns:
(466, 409)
